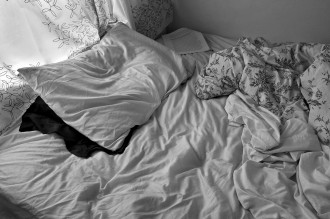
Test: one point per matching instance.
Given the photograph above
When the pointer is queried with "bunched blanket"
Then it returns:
(279, 93)
(104, 92)
(279, 77)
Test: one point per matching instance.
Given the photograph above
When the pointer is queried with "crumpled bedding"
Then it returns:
(279, 77)
(107, 90)
(285, 166)
(187, 161)
(179, 164)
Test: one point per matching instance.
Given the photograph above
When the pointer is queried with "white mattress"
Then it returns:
(178, 165)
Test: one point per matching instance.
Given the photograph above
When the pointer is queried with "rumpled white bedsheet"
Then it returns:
(285, 172)
(187, 161)
(179, 164)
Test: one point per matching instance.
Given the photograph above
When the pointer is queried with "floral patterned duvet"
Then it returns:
(279, 95)
(289, 79)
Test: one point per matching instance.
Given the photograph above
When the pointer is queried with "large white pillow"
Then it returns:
(111, 88)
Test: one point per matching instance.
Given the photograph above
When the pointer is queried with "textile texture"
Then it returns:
(274, 76)
(151, 17)
(278, 94)
(105, 91)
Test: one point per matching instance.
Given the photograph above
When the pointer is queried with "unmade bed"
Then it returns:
(239, 131)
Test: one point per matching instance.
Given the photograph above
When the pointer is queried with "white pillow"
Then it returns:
(118, 84)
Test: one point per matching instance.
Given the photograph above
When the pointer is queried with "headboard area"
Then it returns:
(276, 20)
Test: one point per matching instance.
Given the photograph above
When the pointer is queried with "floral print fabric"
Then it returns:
(315, 83)
(100, 12)
(46, 31)
(15, 97)
(38, 32)
(273, 75)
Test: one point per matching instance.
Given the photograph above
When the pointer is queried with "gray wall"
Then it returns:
(276, 20)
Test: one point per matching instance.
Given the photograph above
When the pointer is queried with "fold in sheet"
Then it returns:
(267, 183)
(285, 169)
(313, 176)
(179, 164)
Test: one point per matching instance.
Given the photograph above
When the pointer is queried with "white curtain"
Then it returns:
(37, 32)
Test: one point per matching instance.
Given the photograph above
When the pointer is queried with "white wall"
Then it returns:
(276, 20)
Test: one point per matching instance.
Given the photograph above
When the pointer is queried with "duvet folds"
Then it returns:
(279, 93)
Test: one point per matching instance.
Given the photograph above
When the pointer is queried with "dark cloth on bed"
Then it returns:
(41, 117)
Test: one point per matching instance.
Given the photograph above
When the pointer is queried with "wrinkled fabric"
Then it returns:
(313, 176)
(37, 32)
(186, 161)
(267, 182)
(274, 93)
(281, 78)
(179, 164)
(268, 73)
(107, 90)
